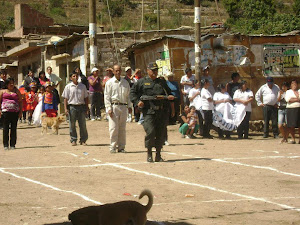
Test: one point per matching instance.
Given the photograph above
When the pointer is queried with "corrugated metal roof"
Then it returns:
(190, 38)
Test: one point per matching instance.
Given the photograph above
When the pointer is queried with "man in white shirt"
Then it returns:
(269, 93)
(76, 105)
(53, 77)
(187, 82)
(117, 104)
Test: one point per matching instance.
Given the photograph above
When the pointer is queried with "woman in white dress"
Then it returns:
(36, 116)
(221, 97)
(244, 96)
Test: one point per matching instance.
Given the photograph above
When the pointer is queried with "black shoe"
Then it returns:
(276, 136)
(150, 159)
(122, 150)
(158, 158)
(265, 136)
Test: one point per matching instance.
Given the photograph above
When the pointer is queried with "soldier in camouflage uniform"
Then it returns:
(153, 96)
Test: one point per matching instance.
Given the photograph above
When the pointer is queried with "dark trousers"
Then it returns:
(270, 113)
(96, 100)
(10, 121)
(243, 129)
(200, 122)
(77, 113)
(222, 132)
(208, 120)
(172, 120)
(137, 114)
(155, 128)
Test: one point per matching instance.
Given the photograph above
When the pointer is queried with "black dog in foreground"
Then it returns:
(119, 213)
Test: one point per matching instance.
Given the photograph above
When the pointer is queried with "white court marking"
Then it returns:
(51, 187)
(205, 187)
(69, 153)
(258, 167)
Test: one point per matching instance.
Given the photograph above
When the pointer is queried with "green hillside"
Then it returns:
(127, 14)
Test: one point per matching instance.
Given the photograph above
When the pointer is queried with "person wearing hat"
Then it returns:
(266, 97)
(153, 110)
(206, 76)
(118, 105)
(31, 100)
(109, 74)
(95, 94)
(187, 82)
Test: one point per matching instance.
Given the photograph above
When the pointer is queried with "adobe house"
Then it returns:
(254, 57)
(30, 21)
(62, 54)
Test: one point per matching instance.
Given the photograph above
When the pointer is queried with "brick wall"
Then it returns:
(25, 16)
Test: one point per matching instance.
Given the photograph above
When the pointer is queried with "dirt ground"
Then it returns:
(205, 182)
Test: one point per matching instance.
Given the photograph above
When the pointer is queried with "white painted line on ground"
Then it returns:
(51, 187)
(96, 160)
(69, 153)
(257, 167)
(204, 186)
(171, 153)
(187, 155)
(264, 157)
(51, 167)
(219, 200)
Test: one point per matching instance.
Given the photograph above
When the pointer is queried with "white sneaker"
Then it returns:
(92, 119)
(187, 137)
(98, 118)
(167, 143)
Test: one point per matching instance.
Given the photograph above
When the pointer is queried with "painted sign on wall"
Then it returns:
(281, 60)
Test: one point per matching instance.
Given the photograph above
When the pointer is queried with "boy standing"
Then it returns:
(76, 105)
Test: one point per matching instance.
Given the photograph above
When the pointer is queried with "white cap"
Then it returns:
(169, 74)
(127, 68)
(94, 69)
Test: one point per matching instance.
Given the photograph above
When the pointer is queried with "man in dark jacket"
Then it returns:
(154, 106)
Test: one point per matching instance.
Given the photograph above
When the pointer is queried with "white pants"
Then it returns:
(117, 127)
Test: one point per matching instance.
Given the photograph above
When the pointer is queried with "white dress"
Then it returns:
(36, 116)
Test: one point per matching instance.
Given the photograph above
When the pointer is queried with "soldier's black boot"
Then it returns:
(149, 155)
(158, 156)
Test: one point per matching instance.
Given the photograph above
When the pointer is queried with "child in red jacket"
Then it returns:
(31, 100)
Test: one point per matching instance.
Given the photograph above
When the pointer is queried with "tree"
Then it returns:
(296, 7)
(259, 17)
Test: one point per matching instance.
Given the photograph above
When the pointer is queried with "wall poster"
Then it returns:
(281, 60)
